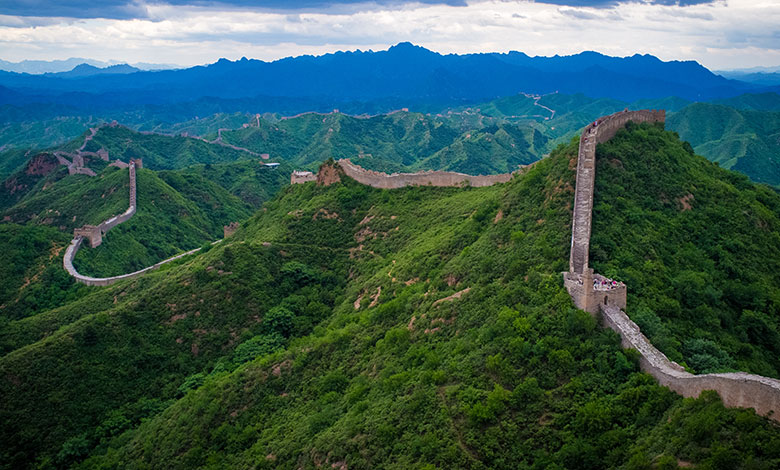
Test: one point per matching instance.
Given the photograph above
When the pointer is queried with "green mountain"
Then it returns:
(177, 209)
(753, 101)
(351, 327)
(33, 278)
(401, 141)
(743, 140)
(159, 152)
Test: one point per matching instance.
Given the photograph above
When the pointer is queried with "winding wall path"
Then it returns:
(737, 389)
(75, 244)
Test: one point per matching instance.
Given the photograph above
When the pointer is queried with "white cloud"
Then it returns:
(739, 33)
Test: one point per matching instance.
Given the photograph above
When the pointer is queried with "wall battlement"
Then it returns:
(736, 389)
(381, 180)
(590, 299)
(91, 233)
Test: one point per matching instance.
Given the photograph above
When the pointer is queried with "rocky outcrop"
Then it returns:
(41, 165)
(328, 174)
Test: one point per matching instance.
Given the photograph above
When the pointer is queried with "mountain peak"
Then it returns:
(408, 47)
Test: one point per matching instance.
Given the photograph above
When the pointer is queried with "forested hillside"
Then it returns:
(351, 327)
(496, 136)
(402, 141)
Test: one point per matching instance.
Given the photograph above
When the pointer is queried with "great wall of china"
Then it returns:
(381, 180)
(736, 389)
(94, 233)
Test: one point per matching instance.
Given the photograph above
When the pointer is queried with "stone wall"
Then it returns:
(107, 225)
(427, 178)
(585, 297)
(736, 389)
(595, 133)
(74, 246)
(300, 177)
(91, 233)
(94, 233)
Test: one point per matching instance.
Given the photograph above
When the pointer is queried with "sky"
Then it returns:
(720, 34)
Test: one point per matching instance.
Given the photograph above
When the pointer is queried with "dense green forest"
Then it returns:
(351, 327)
(33, 278)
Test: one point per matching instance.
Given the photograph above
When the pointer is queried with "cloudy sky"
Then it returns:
(721, 34)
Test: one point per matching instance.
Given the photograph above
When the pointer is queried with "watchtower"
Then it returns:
(92, 232)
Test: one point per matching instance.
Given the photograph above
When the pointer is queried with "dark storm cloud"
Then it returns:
(127, 9)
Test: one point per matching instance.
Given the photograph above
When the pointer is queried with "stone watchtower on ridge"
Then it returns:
(589, 290)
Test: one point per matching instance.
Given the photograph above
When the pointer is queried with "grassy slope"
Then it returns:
(508, 376)
(704, 282)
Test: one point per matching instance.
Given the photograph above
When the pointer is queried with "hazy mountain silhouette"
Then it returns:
(404, 74)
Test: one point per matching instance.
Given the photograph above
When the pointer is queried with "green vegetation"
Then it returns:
(72, 200)
(160, 152)
(417, 328)
(178, 210)
(33, 279)
(175, 213)
(743, 140)
(25, 131)
(698, 247)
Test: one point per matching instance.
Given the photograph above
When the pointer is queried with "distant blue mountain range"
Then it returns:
(403, 76)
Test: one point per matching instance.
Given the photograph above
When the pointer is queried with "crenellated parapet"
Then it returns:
(300, 177)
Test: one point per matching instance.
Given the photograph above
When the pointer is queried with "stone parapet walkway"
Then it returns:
(736, 389)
